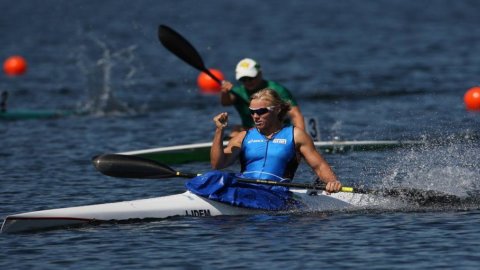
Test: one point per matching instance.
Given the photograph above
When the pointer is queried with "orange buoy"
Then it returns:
(472, 99)
(15, 65)
(207, 84)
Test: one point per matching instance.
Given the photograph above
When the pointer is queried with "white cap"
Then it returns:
(247, 68)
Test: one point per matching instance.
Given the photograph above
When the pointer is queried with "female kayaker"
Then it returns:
(270, 150)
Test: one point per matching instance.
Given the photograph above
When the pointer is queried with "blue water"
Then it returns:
(367, 70)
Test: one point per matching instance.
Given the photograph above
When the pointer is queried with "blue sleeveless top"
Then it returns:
(272, 159)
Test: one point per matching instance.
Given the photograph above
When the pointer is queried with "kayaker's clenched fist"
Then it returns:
(221, 120)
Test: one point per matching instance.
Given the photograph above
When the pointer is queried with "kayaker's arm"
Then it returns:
(227, 98)
(313, 158)
(222, 157)
(297, 117)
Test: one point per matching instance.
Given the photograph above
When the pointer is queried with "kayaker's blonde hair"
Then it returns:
(272, 96)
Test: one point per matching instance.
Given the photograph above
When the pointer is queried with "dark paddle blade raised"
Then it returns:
(178, 45)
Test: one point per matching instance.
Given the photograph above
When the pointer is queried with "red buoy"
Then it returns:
(207, 84)
(15, 65)
(472, 99)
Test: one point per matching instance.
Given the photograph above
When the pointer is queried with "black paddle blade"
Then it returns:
(126, 166)
(178, 45)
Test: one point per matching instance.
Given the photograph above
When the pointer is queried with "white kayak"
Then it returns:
(185, 204)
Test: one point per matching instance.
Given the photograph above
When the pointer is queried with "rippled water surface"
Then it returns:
(367, 70)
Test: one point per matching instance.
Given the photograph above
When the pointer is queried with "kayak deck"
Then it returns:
(185, 204)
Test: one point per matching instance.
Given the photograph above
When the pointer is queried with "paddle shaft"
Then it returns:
(315, 186)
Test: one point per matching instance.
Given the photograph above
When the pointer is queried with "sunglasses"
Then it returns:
(261, 111)
(247, 79)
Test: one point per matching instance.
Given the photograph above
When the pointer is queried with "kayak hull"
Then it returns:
(185, 204)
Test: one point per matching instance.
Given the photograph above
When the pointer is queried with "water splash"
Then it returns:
(104, 76)
(446, 166)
